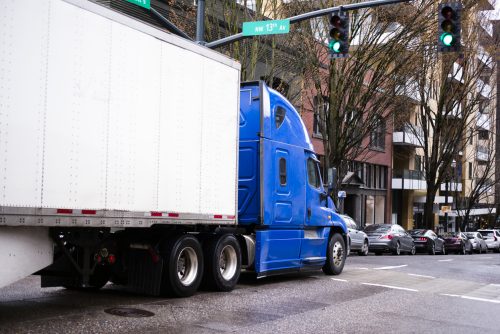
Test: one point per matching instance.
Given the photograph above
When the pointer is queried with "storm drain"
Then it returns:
(129, 312)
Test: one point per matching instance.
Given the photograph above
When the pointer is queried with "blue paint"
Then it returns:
(280, 189)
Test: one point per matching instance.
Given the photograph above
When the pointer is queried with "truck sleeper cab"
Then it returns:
(280, 193)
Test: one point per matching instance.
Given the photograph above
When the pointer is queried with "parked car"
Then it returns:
(428, 241)
(389, 238)
(457, 242)
(357, 239)
(477, 241)
(492, 239)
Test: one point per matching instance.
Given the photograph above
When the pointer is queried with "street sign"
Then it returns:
(271, 27)
(142, 3)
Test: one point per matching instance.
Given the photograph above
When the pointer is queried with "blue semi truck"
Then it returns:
(141, 160)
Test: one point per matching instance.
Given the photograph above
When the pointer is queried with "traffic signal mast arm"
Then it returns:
(309, 15)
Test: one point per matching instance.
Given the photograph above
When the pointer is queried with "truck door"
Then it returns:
(316, 212)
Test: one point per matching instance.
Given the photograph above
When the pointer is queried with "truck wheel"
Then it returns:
(182, 267)
(335, 255)
(222, 263)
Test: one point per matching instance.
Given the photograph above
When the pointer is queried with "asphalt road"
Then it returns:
(374, 294)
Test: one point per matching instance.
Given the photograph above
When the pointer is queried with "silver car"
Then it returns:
(492, 239)
(357, 239)
(477, 241)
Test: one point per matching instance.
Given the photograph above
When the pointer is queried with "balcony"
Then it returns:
(408, 180)
(408, 135)
(482, 153)
(455, 111)
(452, 186)
(483, 121)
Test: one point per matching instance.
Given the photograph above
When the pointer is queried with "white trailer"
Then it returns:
(107, 122)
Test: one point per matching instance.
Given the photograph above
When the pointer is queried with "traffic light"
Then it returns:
(449, 27)
(338, 44)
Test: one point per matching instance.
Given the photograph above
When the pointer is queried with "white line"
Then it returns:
(472, 298)
(425, 276)
(339, 279)
(482, 299)
(493, 284)
(447, 260)
(360, 268)
(391, 267)
(390, 287)
(485, 258)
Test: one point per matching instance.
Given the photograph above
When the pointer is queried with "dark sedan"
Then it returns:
(428, 241)
(389, 238)
(457, 242)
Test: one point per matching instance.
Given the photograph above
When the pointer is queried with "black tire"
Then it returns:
(378, 253)
(222, 262)
(497, 250)
(464, 250)
(397, 250)
(413, 250)
(432, 251)
(364, 250)
(182, 266)
(335, 255)
(443, 250)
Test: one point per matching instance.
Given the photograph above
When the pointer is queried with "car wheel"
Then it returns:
(432, 251)
(443, 250)
(364, 249)
(335, 255)
(397, 250)
(464, 250)
(497, 250)
(413, 250)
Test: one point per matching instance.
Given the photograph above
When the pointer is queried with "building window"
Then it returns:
(470, 170)
(377, 136)
(282, 172)
(418, 162)
(320, 110)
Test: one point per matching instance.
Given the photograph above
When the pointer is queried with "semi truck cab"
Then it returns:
(280, 191)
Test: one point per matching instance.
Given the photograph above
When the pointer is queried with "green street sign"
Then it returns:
(143, 3)
(270, 27)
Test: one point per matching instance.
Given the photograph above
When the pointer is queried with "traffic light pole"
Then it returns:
(307, 16)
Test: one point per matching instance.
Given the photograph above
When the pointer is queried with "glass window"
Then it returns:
(313, 173)
(282, 171)
(377, 135)
(279, 116)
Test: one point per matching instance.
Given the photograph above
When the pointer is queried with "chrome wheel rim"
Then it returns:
(187, 266)
(337, 255)
(365, 248)
(228, 262)
(397, 249)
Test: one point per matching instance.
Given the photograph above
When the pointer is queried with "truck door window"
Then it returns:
(313, 173)
(283, 171)
(279, 116)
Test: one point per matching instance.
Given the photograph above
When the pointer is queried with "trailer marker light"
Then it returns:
(218, 216)
(173, 215)
(64, 211)
(89, 212)
(156, 214)
(231, 217)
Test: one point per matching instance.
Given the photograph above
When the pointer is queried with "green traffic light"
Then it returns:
(447, 39)
(335, 46)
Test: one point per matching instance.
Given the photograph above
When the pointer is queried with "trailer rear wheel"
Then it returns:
(222, 263)
(183, 266)
(335, 255)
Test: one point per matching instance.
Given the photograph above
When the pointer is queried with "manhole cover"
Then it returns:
(129, 312)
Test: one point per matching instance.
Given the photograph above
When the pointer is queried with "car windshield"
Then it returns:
(417, 232)
(451, 235)
(470, 235)
(377, 228)
(487, 233)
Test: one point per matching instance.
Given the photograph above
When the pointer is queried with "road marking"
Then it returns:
(493, 284)
(417, 275)
(488, 257)
(391, 267)
(360, 268)
(390, 287)
(339, 279)
(447, 260)
(472, 298)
